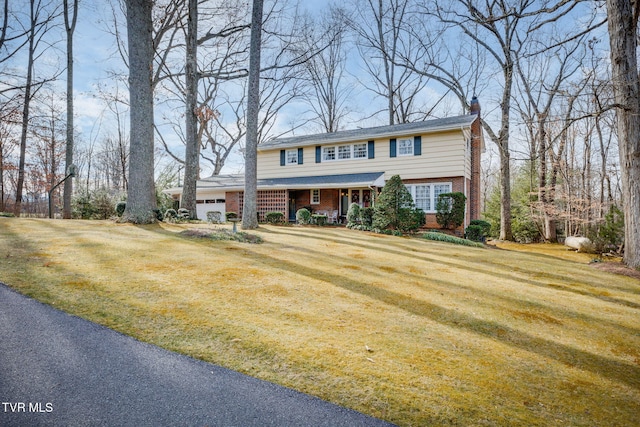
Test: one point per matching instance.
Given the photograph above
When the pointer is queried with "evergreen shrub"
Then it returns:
(319, 219)
(478, 230)
(394, 209)
(450, 209)
(170, 215)
(303, 216)
(274, 217)
(120, 207)
(353, 215)
(366, 216)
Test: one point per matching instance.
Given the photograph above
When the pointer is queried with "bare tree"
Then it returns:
(192, 151)
(141, 197)
(249, 210)
(542, 83)
(500, 31)
(326, 71)
(47, 143)
(40, 21)
(9, 121)
(69, 26)
(623, 38)
(379, 27)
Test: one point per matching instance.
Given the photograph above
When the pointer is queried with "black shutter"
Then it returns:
(371, 149)
(318, 154)
(283, 157)
(417, 146)
(300, 155)
(392, 147)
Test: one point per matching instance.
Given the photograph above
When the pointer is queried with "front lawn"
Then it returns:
(405, 329)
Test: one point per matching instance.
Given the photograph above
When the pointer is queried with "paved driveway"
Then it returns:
(60, 370)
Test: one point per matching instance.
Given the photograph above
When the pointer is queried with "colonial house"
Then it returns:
(328, 172)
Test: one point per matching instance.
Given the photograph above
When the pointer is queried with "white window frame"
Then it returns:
(433, 197)
(360, 151)
(314, 197)
(328, 154)
(345, 152)
(405, 147)
(291, 156)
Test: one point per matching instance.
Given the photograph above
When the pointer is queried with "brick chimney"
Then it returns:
(475, 195)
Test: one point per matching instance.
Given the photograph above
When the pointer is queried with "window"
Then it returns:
(344, 152)
(292, 157)
(425, 196)
(405, 147)
(359, 151)
(422, 197)
(328, 153)
(315, 197)
(439, 189)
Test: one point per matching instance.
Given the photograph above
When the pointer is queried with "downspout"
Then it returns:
(466, 132)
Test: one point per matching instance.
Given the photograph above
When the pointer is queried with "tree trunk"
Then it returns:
(141, 196)
(70, 26)
(192, 151)
(25, 114)
(506, 232)
(622, 24)
(249, 210)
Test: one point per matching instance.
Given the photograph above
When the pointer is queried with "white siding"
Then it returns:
(443, 155)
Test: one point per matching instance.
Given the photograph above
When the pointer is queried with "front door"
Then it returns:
(292, 206)
(344, 202)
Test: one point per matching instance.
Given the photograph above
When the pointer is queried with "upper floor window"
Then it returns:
(328, 153)
(292, 157)
(360, 151)
(345, 152)
(405, 147)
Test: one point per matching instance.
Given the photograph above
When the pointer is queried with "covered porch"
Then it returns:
(331, 202)
(329, 195)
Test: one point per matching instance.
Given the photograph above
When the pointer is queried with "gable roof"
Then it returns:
(354, 135)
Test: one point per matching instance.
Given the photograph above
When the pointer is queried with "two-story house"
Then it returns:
(328, 172)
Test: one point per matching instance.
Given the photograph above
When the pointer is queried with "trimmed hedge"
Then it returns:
(450, 209)
(303, 216)
(478, 230)
(319, 219)
(274, 217)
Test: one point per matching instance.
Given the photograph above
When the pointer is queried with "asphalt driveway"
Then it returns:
(60, 370)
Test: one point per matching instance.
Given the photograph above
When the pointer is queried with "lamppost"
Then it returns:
(71, 172)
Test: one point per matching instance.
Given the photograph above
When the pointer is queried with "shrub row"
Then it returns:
(442, 237)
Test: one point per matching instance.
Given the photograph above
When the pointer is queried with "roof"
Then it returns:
(236, 182)
(404, 129)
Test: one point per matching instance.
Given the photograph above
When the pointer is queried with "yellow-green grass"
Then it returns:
(412, 331)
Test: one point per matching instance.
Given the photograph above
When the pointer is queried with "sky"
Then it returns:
(95, 59)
